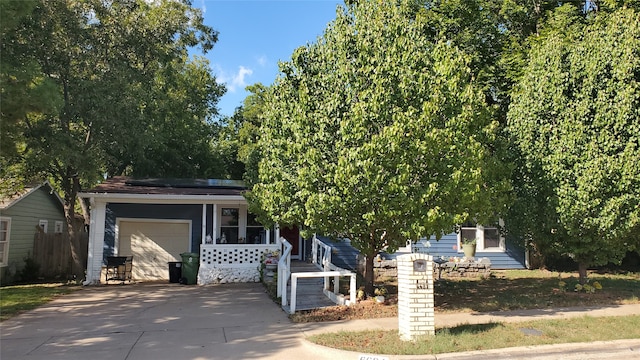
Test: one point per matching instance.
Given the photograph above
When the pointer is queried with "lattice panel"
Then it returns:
(212, 256)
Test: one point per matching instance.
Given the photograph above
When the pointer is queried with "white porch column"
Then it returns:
(96, 241)
(204, 224)
(277, 234)
(215, 223)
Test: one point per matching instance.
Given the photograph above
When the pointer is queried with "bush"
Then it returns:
(31, 270)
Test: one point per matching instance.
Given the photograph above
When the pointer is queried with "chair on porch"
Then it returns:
(119, 268)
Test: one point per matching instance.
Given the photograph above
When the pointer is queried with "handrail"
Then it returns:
(335, 295)
(284, 270)
(322, 252)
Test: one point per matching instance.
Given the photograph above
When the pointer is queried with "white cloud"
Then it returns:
(238, 79)
(262, 61)
(233, 81)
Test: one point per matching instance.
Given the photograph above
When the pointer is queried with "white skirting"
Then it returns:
(216, 275)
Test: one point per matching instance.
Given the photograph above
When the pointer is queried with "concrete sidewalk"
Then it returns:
(232, 321)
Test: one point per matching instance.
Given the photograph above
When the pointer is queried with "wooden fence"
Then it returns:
(53, 253)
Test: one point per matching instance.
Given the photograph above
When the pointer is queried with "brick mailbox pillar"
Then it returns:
(416, 314)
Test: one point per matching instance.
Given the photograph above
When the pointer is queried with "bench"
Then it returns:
(119, 268)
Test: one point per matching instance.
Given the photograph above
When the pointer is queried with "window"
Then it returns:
(238, 226)
(58, 227)
(229, 226)
(468, 232)
(488, 238)
(255, 231)
(44, 224)
(5, 231)
(492, 238)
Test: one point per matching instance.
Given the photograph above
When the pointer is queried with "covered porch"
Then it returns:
(156, 220)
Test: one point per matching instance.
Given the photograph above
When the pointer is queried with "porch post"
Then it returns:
(96, 241)
(215, 223)
(204, 223)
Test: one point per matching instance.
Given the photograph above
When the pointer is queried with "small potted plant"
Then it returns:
(380, 293)
(271, 262)
(469, 247)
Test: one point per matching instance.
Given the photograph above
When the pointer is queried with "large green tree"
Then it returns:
(225, 145)
(249, 119)
(177, 133)
(377, 133)
(24, 89)
(125, 83)
(575, 119)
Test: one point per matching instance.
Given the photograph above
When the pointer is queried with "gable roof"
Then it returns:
(165, 187)
(9, 201)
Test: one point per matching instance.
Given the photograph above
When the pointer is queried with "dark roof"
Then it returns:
(156, 186)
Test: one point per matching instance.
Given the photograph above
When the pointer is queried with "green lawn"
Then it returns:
(17, 299)
(503, 290)
(486, 336)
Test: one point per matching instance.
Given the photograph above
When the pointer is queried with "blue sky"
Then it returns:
(255, 35)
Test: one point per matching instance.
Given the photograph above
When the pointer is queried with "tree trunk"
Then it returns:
(71, 188)
(85, 212)
(582, 272)
(368, 274)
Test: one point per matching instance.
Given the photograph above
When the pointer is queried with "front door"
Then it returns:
(292, 235)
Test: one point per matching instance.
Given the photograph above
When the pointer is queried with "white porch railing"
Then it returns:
(321, 254)
(335, 296)
(284, 270)
(226, 263)
(234, 255)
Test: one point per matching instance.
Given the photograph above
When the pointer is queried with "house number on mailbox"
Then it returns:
(421, 284)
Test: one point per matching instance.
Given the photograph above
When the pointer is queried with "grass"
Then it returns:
(533, 289)
(502, 291)
(486, 336)
(17, 299)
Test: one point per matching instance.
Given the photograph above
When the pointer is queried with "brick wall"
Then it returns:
(416, 316)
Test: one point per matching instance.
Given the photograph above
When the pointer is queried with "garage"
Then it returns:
(153, 243)
(155, 220)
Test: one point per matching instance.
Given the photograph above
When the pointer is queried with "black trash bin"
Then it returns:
(175, 271)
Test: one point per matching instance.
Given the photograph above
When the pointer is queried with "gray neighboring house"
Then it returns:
(20, 215)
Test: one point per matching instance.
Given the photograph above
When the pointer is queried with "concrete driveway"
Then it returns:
(154, 321)
(236, 321)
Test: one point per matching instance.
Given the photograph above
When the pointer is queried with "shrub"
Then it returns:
(31, 270)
